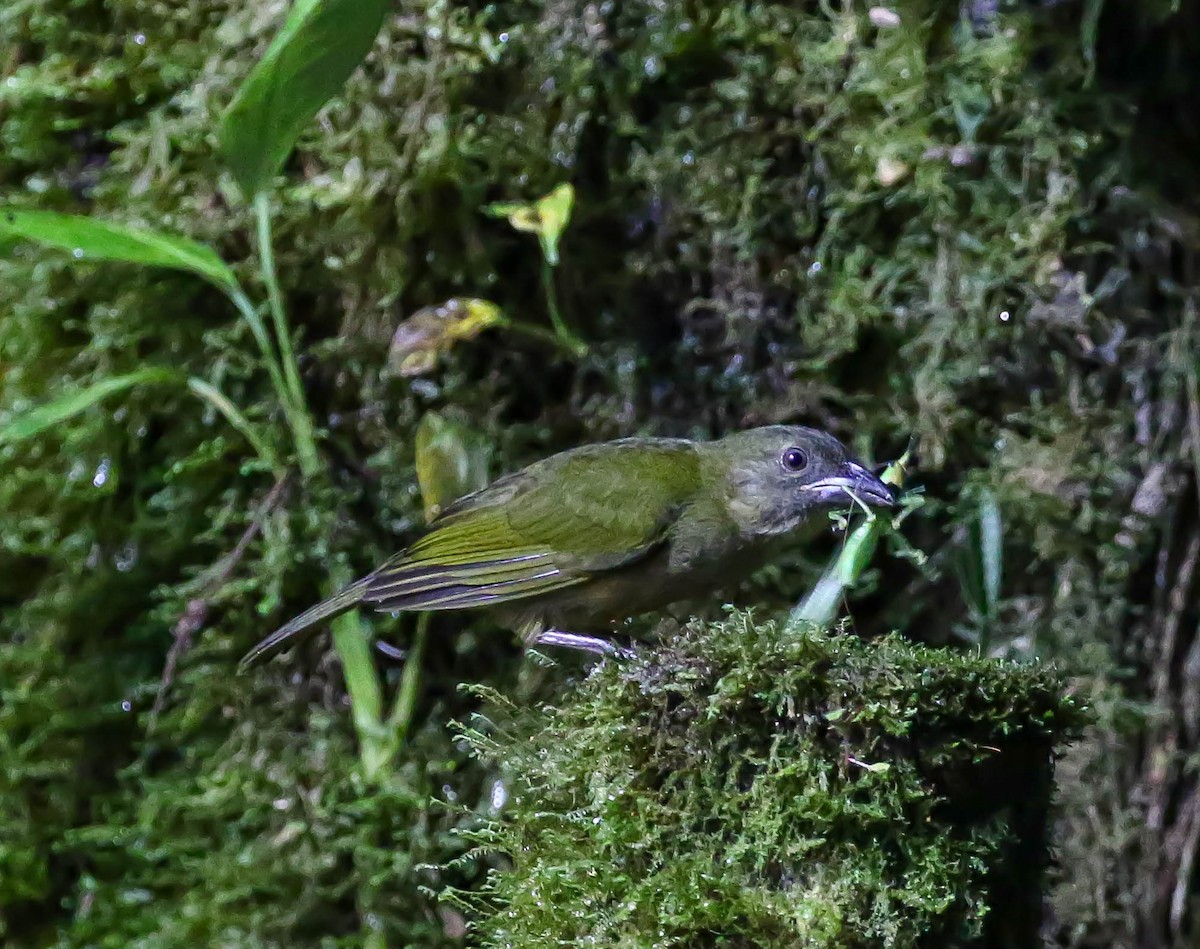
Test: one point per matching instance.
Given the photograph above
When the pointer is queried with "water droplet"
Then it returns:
(815, 268)
(281, 804)
(126, 558)
(449, 792)
(499, 795)
(139, 38)
(503, 37)
(426, 388)
(1005, 316)
(652, 66)
(689, 158)
(883, 17)
(77, 253)
(126, 705)
(101, 475)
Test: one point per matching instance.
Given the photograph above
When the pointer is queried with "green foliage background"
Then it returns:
(959, 227)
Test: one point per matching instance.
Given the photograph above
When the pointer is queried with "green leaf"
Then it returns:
(971, 104)
(547, 218)
(1089, 28)
(219, 401)
(451, 461)
(87, 238)
(45, 417)
(820, 605)
(979, 561)
(320, 45)
(991, 550)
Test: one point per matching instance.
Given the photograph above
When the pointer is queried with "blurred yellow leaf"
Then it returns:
(547, 218)
(431, 331)
(451, 460)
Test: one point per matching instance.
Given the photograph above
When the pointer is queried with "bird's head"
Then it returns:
(779, 476)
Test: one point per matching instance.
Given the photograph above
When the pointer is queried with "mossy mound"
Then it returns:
(747, 786)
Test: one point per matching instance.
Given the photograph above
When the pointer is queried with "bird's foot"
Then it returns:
(578, 641)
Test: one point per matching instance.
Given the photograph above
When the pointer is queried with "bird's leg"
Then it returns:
(592, 644)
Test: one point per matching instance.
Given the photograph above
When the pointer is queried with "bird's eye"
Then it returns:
(795, 459)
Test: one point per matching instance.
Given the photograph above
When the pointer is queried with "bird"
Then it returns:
(572, 545)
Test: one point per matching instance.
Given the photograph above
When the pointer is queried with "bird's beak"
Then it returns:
(853, 478)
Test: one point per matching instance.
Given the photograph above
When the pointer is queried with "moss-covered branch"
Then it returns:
(746, 786)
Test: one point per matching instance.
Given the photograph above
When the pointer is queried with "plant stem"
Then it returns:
(362, 683)
(540, 332)
(219, 401)
(349, 637)
(302, 427)
(410, 680)
(564, 335)
(298, 422)
(259, 330)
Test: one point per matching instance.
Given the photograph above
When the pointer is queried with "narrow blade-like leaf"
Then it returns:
(451, 461)
(88, 238)
(320, 45)
(820, 605)
(45, 417)
(991, 551)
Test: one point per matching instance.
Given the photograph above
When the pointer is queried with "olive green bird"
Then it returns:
(586, 538)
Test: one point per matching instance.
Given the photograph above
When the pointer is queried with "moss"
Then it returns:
(745, 787)
(785, 212)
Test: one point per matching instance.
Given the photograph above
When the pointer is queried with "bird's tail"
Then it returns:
(334, 606)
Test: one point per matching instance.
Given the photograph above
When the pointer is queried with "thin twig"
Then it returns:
(196, 612)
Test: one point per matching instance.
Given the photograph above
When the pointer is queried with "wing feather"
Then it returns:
(517, 539)
(463, 596)
(472, 559)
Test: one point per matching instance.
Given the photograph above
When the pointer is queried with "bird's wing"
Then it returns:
(549, 527)
(473, 559)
